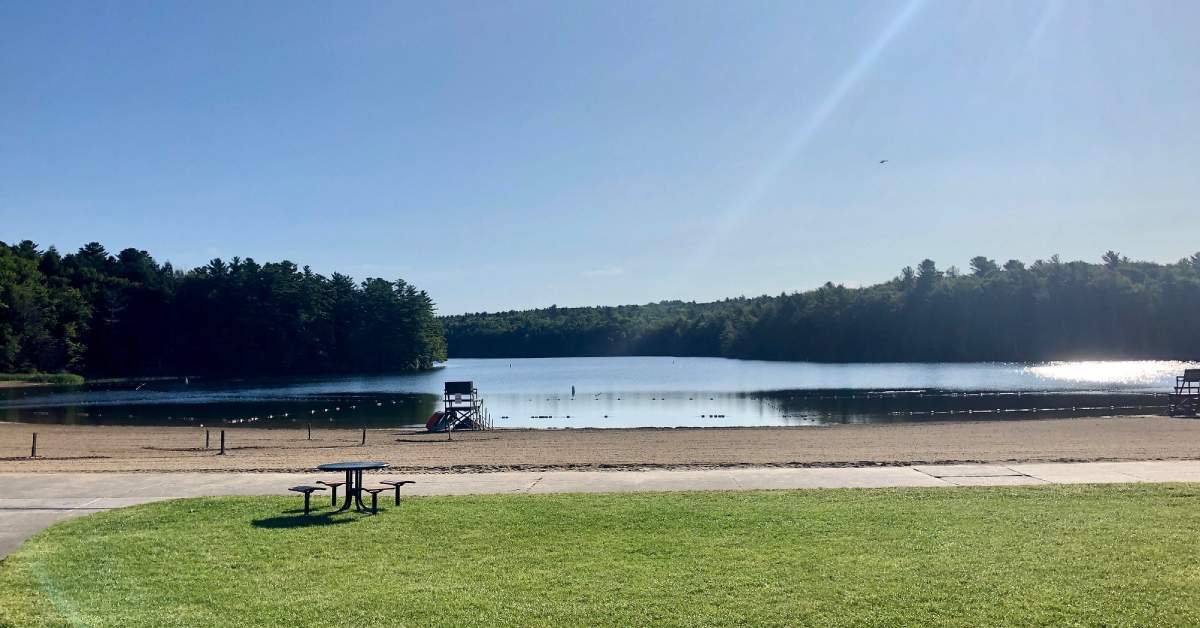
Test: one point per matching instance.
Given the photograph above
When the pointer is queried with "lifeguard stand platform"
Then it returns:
(1185, 401)
(462, 409)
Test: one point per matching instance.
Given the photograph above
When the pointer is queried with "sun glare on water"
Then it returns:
(1111, 372)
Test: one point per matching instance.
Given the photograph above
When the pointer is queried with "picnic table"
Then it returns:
(354, 481)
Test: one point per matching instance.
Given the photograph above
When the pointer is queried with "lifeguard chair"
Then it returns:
(1185, 401)
(462, 409)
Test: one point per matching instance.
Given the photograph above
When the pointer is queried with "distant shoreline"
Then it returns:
(16, 384)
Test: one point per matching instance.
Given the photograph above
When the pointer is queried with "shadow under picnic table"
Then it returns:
(300, 520)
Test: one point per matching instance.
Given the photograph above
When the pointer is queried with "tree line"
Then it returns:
(1048, 310)
(96, 313)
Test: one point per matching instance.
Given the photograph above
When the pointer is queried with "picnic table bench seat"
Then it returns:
(374, 491)
(308, 491)
(396, 484)
(333, 484)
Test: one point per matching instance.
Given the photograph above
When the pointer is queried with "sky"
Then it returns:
(509, 155)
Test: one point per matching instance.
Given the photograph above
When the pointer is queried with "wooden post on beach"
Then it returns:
(364, 439)
(222, 452)
(310, 430)
(206, 439)
(33, 450)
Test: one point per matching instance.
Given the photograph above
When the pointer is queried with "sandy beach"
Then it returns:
(89, 448)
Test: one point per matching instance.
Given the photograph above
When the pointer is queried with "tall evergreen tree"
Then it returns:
(126, 314)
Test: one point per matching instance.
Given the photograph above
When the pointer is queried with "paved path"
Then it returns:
(31, 501)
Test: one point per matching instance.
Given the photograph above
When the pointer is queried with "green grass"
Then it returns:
(42, 378)
(1127, 555)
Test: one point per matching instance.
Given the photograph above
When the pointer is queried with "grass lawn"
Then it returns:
(1058, 555)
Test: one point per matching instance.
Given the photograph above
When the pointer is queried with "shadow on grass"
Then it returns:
(297, 519)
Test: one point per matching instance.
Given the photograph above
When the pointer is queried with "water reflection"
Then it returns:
(1125, 373)
(626, 392)
(828, 407)
(357, 410)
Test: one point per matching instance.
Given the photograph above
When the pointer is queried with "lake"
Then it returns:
(625, 392)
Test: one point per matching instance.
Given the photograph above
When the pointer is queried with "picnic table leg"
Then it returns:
(358, 492)
(349, 490)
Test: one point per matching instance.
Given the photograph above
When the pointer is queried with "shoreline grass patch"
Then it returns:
(43, 378)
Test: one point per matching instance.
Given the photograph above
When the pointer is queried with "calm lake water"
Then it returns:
(626, 392)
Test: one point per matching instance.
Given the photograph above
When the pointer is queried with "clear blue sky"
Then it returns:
(507, 155)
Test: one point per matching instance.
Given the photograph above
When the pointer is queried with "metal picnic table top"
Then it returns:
(353, 466)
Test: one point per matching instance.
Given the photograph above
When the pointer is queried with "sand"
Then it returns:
(89, 448)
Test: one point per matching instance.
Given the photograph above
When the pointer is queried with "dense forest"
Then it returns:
(126, 314)
(1048, 310)
(97, 313)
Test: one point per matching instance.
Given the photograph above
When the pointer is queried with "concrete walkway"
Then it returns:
(30, 502)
